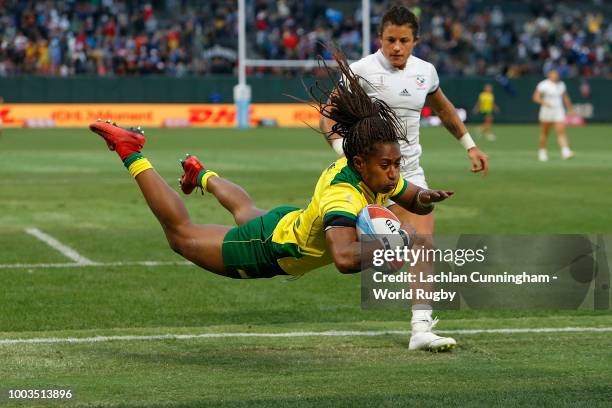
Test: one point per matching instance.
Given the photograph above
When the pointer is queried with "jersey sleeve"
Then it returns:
(340, 204)
(540, 87)
(435, 81)
(359, 67)
(402, 185)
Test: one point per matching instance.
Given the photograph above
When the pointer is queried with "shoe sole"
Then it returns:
(442, 349)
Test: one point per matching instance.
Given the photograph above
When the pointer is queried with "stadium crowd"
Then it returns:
(183, 37)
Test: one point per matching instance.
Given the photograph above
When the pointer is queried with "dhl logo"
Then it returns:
(222, 115)
(215, 116)
(5, 116)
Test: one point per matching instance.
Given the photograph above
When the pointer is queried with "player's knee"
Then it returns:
(176, 244)
(247, 214)
(241, 218)
(178, 239)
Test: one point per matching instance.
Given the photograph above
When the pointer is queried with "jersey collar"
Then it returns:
(382, 60)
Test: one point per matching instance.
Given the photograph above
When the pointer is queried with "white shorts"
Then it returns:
(551, 114)
(415, 175)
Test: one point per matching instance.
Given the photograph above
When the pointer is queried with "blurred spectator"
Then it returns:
(174, 37)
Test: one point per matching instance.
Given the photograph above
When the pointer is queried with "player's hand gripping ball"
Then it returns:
(375, 222)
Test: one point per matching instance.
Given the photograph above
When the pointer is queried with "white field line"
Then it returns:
(93, 263)
(55, 244)
(332, 333)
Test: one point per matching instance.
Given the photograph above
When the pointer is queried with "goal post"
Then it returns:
(242, 91)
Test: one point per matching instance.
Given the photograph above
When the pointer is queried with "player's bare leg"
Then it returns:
(200, 244)
(235, 199)
(542, 152)
(231, 196)
(422, 322)
(487, 126)
(566, 152)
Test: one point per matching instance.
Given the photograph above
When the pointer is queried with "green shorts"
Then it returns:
(248, 250)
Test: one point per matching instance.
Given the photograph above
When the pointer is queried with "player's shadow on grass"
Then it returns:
(244, 356)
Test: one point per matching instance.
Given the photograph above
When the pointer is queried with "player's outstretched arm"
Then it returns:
(452, 122)
(420, 200)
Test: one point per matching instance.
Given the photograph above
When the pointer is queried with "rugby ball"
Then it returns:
(375, 219)
(375, 222)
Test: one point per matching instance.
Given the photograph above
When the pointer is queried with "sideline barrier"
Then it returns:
(158, 115)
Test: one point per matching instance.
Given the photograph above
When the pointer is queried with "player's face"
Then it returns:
(397, 42)
(380, 171)
(553, 75)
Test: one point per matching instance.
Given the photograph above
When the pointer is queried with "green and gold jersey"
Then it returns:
(340, 194)
(486, 101)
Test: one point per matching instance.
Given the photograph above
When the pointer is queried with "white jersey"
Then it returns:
(552, 93)
(404, 90)
(552, 96)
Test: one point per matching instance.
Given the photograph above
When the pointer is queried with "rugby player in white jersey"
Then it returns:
(551, 95)
(407, 83)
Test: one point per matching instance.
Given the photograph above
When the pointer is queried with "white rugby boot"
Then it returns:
(567, 154)
(424, 339)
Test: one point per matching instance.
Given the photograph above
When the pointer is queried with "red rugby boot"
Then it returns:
(123, 141)
(191, 176)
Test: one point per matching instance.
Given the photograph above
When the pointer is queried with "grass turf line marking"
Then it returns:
(81, 265)
(332, 333)
(55, 244)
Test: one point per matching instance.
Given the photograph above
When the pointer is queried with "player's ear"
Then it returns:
(359, 163)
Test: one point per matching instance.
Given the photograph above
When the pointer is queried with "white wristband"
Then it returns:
(467, 142)
(336, 144)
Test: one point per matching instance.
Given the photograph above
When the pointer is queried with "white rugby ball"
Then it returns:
(375, 219)
(379, 223)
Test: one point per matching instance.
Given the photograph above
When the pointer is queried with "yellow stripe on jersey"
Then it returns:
(486, 101)
(339, 191)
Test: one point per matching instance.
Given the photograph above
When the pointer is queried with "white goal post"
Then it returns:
(242, 91)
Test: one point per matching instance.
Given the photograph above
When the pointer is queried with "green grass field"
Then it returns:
(66, 184)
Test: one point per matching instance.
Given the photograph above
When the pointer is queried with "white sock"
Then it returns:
(421, 315)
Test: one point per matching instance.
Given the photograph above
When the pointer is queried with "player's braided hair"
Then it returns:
(361, 120)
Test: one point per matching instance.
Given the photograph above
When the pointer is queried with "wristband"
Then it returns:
(419, 203)
(467, 142)
(336, 144)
